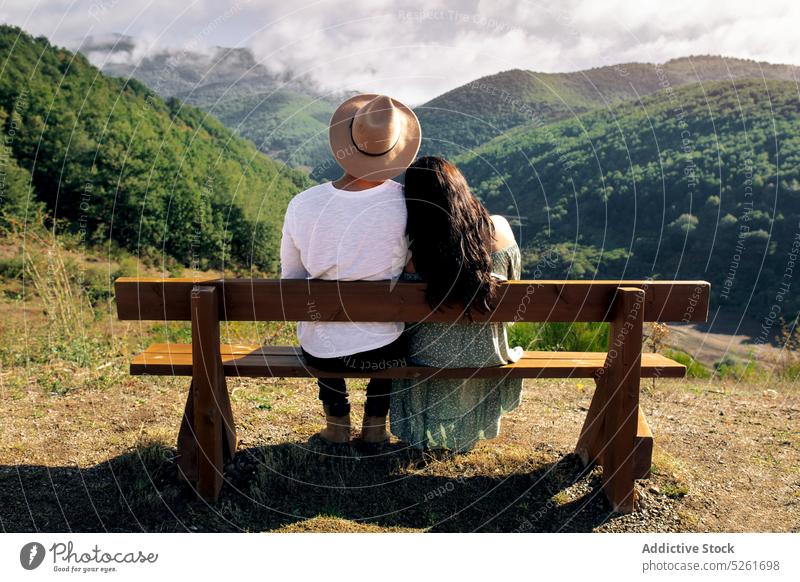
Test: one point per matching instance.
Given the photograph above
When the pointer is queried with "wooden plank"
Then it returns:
(168, 349)
(620, 419)
(255, 349)
(285, 361)
(314, 300)
(206, 365)
(226, 349)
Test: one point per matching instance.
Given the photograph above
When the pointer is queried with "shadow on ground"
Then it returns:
(285, 485)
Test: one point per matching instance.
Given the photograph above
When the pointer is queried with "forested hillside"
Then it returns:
(110, 159)
(285, 125)
(481, 110)
(285, 116)
(701, 182)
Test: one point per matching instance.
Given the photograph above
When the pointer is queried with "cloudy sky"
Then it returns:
(416, 49)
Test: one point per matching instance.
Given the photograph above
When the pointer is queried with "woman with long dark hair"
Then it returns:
(460, 252)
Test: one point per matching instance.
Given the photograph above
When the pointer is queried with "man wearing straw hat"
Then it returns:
(354, 229)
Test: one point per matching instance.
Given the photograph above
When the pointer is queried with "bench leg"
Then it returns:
(229, 441)
(207, 437)
(187, 443)
(187, 440)
(615, 433)
(643, 449)
(590, 443)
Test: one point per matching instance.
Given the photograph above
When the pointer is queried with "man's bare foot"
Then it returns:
(373, 430)
(337, 429)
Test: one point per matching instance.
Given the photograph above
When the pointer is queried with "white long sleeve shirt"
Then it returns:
(347, 236)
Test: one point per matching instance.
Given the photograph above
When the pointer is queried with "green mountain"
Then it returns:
(286, 117)
(110, 159)
(285, 125)
(698, 182)
(470, 115)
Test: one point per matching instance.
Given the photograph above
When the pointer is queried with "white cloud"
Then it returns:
(416, 49)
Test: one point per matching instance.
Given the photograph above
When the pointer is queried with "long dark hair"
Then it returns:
(451, 235)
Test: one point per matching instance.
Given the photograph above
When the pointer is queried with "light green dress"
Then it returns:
(455, 414)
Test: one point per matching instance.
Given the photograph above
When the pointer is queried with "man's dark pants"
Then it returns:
(333, 391)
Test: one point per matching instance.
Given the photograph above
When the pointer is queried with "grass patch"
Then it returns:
(675, 490)
(334, 524)
(673, 481)
(177, 332)
(146, 474)
(262, 403)
(560, 337)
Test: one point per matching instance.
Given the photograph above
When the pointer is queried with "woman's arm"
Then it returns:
(503, 233)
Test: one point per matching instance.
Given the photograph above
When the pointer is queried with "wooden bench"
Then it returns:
(614, 435)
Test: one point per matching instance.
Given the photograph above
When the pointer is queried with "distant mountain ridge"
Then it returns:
(479, 111)
(180, 72)
(287, 117)
(284, 115)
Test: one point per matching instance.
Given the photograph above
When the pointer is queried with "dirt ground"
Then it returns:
(726, 334)
(727, 459)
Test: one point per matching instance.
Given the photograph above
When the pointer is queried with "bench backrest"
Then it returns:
(365, 301)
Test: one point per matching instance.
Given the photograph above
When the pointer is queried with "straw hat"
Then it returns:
(374, 137)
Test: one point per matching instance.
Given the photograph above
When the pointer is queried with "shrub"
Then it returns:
(694, 369)
(733, 368)
(96, 284)
(128, 267)
(11, 268)
(790, 372)
(788, 364)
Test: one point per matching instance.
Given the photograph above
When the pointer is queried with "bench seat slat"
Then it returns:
(286, 361)
(227, 349)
